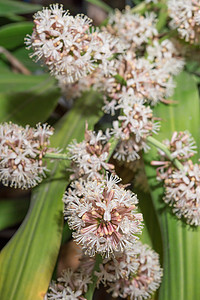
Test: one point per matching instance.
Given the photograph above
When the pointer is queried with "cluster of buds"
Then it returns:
(185, 16)
(21, 153)
(89, 158)
(132, 128)
(70, 46)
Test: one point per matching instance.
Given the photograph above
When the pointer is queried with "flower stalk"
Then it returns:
(91, 288)
(162, 147)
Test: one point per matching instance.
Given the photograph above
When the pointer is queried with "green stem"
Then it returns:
(56, 156)
(162, 147)
(91, 288)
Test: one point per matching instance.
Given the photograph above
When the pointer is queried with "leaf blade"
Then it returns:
(28, 260)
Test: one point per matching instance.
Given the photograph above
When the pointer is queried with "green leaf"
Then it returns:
(181, 243)
(9, 7)
(22, 54)
(101, 4)
(12, 211)
(12, 35)
(28, 260)
(27, 99)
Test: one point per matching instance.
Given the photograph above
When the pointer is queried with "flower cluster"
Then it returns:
(141, 78)
(165, 57)
(89, 158)
(103, 215)
(181, 146)
(185, 16)
(21, 153)
(135, 274)
(183, 193)
(132, 128)
(71, 285)
(133, 30)
(182, 187)
(69, 46)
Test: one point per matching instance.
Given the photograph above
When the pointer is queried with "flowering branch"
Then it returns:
(161, 146)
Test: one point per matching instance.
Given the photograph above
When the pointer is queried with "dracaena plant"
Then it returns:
(124, 80)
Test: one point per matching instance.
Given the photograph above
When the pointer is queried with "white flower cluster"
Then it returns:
(148, 78)
(182, 187)
(165, 57)
(103, 215)
(185, 16)
(183, 193)
(69, 46)
(70, 286)
(89, 158)
(21, 152)
(181, 146)
(134, 124)
(133, 30)
(135, 274)
(144, 79)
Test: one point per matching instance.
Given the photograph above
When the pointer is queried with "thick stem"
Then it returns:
(162, 147)
(91, 288)
(56, 156)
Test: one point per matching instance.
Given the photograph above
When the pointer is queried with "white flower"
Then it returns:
(165, 57)
(99, 211)
(185, 18)
(68, 45)
(89, 158)
(132, 128)
(70, 286)
(135, 274)
(21, 152)
(133, 30)
(181, 146)
(142, 78)
(183, 193)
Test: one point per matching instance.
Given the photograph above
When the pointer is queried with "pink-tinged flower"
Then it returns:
(141, 78)
(70, 286)
(21, 152)
(69, 46)
(185, 15)
(103, 216)
(136, 274)
(181, 146)
(182, 192)
(89, 158)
